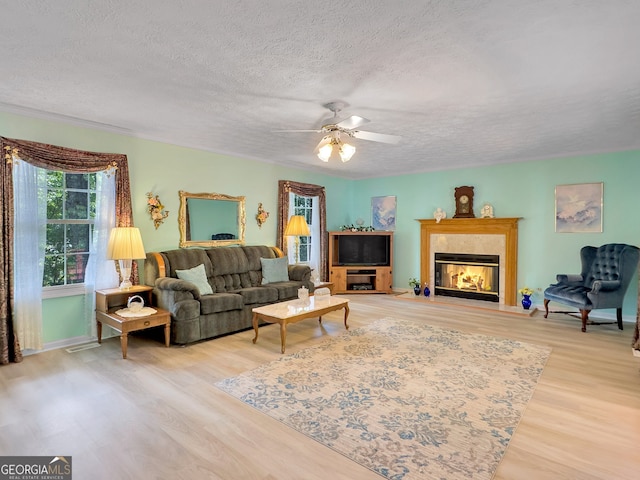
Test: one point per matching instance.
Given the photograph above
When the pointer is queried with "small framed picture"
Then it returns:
(383, 213)
(579, 208)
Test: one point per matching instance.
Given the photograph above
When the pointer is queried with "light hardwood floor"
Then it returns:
(158, 415)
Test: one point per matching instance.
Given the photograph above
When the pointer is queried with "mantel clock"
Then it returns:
(464, 202)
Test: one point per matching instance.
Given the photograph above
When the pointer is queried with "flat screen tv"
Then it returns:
(360, 250)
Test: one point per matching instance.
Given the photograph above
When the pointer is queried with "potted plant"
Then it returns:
(415, 284)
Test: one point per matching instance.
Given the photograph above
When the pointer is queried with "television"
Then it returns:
(364, 250)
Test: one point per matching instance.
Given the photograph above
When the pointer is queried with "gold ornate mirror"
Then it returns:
(210, 219)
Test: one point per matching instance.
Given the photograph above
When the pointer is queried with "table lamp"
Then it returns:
(297, 227)
(125, 245)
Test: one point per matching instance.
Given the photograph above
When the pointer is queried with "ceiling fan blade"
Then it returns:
(354, 121)
(377, 137)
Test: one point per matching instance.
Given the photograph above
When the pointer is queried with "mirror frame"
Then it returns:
(183, 214)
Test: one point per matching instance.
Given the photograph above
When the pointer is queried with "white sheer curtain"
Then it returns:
(100, 272)
(314, 260)
(29, 240)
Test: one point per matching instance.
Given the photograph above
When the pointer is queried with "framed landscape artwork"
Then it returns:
(383, 213)
(579, 208)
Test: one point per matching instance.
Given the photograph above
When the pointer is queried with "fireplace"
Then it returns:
(471, 276)
(473, 236)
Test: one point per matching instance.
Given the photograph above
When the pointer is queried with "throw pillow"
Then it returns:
(198, 277)
(275, 270)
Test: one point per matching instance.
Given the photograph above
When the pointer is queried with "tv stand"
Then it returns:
(361, 278)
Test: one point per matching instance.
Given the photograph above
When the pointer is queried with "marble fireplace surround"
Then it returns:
(488, 236)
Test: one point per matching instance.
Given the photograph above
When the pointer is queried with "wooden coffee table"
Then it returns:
(295, 310)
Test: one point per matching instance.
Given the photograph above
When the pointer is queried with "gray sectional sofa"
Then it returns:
(235, 277)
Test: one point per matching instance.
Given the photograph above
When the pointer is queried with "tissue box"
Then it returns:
(303, 293)
(321, 294)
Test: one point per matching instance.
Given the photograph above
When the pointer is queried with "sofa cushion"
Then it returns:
(274, 270)
(198, 277)
(286, 290)
(259, 295)
(230, 268)
(254, 253)
(572, 294)
(186, 258)
(227, 260)
(220, 302)
(230, 282)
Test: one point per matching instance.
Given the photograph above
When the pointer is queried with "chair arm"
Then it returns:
(177, 285)
(605, 285)
(565, 278)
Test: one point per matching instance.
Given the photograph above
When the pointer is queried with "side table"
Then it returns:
(328, 285)
(110, 300)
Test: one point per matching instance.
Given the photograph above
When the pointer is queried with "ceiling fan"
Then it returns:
(335, 131)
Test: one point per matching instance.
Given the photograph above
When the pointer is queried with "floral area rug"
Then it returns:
(402, 398)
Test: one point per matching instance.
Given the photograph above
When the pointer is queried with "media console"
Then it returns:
(361, 262)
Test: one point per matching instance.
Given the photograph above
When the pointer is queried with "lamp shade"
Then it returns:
(324, 153)
(297, 226)
(125, 243)
(346, 152)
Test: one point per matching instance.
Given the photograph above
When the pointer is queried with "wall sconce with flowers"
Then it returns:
(156, 209)
(262, 215)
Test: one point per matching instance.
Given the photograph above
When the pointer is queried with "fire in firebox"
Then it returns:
(467, 276)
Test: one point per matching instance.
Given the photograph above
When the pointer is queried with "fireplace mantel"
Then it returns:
(506, 228)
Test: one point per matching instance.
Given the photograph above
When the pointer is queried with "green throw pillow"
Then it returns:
(275, 270)
(198, 277)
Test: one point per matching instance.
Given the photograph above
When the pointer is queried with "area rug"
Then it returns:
(402, 398)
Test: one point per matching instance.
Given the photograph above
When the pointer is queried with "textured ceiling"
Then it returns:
(463, 82)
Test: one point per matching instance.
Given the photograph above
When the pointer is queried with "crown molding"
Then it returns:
(66, 119)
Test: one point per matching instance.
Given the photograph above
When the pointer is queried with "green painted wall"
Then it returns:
(524, 190)
(63, 318)
(515, 190)
(164, 170)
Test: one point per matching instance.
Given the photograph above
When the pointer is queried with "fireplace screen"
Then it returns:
(467, 276)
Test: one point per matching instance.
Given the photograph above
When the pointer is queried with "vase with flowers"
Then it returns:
(526, 293)
(416, 285)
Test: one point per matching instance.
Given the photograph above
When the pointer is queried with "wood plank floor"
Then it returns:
(158, 415)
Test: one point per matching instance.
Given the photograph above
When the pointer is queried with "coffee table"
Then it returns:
(293, 311)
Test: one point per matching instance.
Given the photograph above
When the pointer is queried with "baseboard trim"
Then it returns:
(63, 343)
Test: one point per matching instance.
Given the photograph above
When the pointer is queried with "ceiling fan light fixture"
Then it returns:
(325, 151)
(346, 151)
(334, 127)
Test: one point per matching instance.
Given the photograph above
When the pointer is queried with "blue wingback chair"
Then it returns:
(602, 283)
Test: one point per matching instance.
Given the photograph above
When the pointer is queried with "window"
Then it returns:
(287, 190)
(304, 206)
(71, 212)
